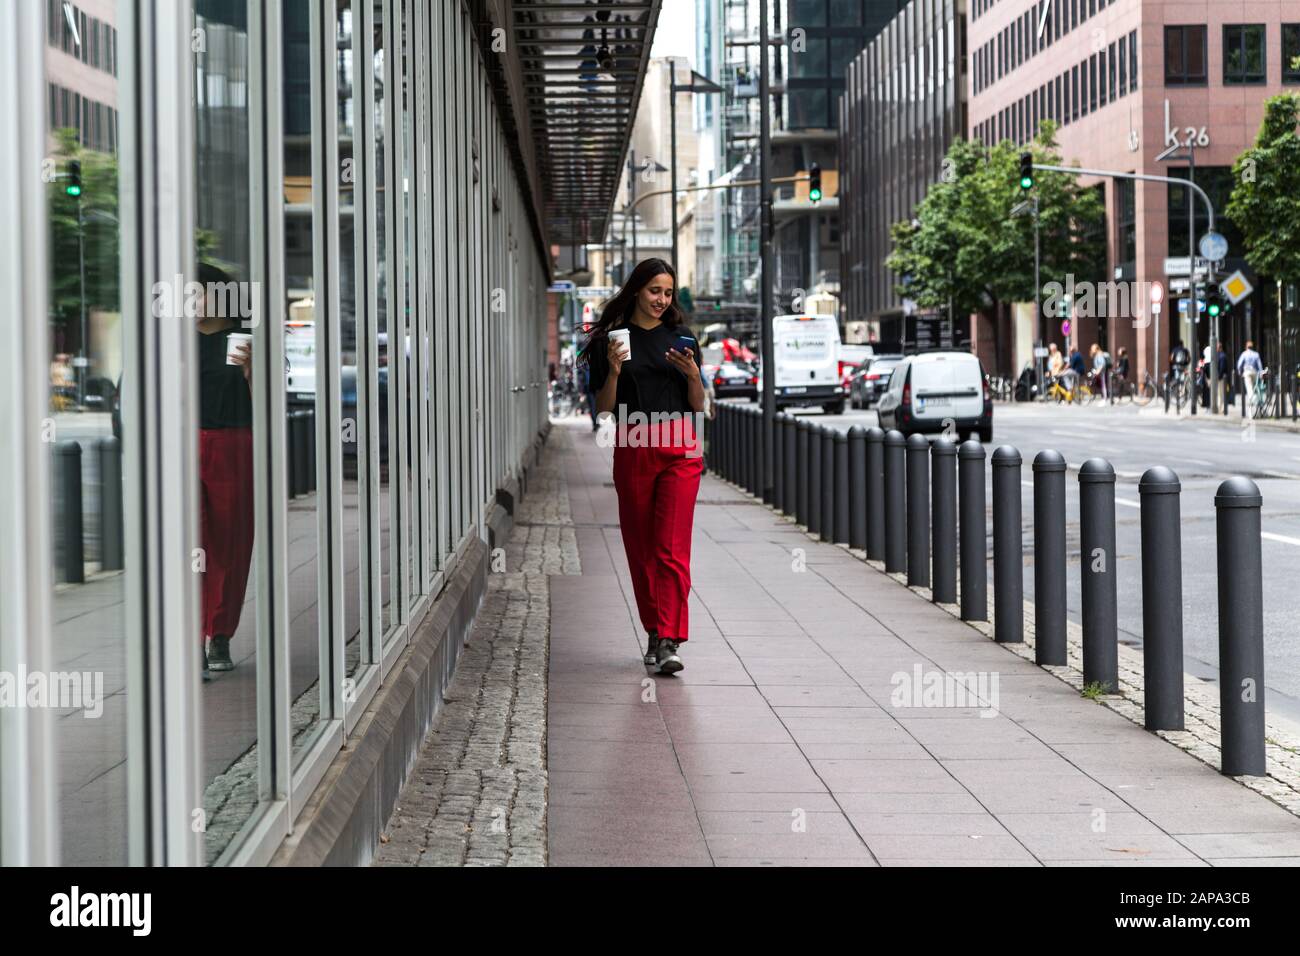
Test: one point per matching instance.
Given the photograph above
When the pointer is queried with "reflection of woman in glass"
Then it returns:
(225, 471)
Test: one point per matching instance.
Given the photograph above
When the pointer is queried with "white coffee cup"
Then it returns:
(232, 345)
(623, 336)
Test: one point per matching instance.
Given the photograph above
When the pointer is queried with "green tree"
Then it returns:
(99, 226)
(963, 242)
(1265, 201)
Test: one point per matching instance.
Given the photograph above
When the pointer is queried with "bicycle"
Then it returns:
(1121, 389)
(1178, 388)
(1260, 403)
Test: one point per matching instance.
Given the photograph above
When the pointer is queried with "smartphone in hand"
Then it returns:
(684, 343)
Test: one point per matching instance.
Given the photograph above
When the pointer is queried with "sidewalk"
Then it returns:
(781, 742)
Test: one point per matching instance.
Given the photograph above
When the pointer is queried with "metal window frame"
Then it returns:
(448, 199)
(28, 788)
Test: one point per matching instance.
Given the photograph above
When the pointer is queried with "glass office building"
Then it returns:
(275, 377)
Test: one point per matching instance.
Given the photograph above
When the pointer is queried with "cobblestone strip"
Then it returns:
(477, 794)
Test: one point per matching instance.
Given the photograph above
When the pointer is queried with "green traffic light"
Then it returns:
(815, 195)
(1214, 310)
(1026, 182)
(74, 190)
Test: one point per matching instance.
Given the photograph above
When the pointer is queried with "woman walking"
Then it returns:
(657, 461)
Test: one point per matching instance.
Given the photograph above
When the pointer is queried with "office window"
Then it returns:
(1291, 53)
(1074, 93)
(1092, 83)
(1243, 54)
(1133, 61)
(1111, 66)
(1185, 55)
(1074, 13)
(1123, 66)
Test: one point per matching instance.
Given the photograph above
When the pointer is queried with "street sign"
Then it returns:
(1213, 246)
(1065, 327)
(1235, 287)
(1040, 352)
(1182, 306)
(1177, 266)
(562, 285)
(594, 291)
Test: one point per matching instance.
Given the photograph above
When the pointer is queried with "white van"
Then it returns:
(939, 392)
(807, 353)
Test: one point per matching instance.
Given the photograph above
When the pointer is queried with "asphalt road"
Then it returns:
(1203, 453)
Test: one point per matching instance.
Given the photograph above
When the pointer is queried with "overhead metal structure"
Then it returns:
(582, 67)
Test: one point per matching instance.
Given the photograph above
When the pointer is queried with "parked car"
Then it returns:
(732, 379)
(939, 392)
(807, 352)
(870, 379)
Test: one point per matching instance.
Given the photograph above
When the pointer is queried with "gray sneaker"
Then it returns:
(666, 656)
(652, 650)
(219, 653)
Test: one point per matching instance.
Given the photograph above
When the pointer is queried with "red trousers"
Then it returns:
(657, 484)
(226, 524)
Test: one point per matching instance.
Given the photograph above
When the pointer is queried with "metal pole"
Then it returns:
(918, 511)
(857, 440)
(1241, 627)
(841, 487)
(814, 516)
(974, 532)
(790, 502)
(1097, 574)
(765, 240)
(81, 346)
(672, 113)
(111, 549)
(895, 502)
(68, 475)
(804, 473)
(631, 183)
(943, 522)
(1194, 307)
(778, 462)
(1008, 549)
(1049, 558)
(828, 483)
(1040, 362)
(876, 494)
(1162, 599)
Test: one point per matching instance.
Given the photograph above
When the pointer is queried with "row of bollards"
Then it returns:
(908, 502)
(68, 480)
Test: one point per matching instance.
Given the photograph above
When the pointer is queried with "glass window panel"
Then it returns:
(87, 364)
(229, 618)
(387, 500)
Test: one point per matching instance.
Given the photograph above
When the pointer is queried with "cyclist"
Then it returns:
(1180, 357)
(1121, 369)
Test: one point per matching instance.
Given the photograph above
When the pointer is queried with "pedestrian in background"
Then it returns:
(584, 384)
(657, 466)
(1249, 367)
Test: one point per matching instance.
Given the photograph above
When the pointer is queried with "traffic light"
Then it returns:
(1026, 170)
(815, 183)
(1213, 305)
(73, 185)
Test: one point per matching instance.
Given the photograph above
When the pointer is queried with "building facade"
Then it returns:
(340, 183)
(903, 105)
(1148, 87)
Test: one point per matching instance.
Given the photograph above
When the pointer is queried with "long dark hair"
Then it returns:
(618, 311)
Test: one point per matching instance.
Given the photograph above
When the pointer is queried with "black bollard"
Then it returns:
(802, 475)
(1162, 600)
(943, 521)
(841, 487)
(1008, 549)
(778, 452)
(814, 515)
(1049, 558)
(876, 494)
(756, 452)
(299, 426)
(918, 511)
(751, 435)
(719, 449)
(895, 502)
(974, 533)
(767, 439)
(68, 474)
(857, 442)
(111, 547)
(791, 503)
(1237, 506)
(827, 526)
(1097, 574)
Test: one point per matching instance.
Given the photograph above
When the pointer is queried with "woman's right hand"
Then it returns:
(614, 354)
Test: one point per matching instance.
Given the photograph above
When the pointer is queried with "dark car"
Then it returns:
(735, 379)
(870, 379)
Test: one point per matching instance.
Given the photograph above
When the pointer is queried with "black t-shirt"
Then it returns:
(648, 382)
(224, 398)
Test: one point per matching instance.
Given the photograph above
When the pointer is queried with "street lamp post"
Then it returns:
(765, 250)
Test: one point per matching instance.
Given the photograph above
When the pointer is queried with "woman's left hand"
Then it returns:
(684, 362)
(244, 356)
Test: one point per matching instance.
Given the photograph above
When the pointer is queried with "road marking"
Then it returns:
(1027, 484)
(1271, 536)
(1279, 474)
(1128, 503)
(1194, 461)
